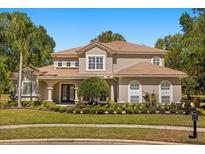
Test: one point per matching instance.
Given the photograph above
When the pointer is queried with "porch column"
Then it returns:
(112, 91)
(76, 95)
(50, 90)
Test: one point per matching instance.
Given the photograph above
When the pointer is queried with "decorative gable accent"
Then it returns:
(93, 45)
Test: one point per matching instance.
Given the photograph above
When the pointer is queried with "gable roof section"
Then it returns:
(66, 53)
(147, 69)
(120, 47)
(93, 45)
(115, 47)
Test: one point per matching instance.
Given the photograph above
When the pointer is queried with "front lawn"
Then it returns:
(26, 116)
(102, 133)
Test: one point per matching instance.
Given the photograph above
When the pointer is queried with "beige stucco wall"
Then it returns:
(43, 90)
(95, 51)
(149, 85)
(123, 61)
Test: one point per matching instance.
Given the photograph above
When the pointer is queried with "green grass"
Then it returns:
(102, 133)
(26, 116)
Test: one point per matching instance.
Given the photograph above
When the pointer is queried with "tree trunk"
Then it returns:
(20, 80)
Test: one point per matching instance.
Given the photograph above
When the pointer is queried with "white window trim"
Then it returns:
(171, 91)
(140, 89)
(64, 64)
(95, 55)
(160, 60)
(33, 91)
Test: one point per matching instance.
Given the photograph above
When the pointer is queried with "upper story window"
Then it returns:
(95, 62)
(66, 64)
(59, 63)
(156, 61)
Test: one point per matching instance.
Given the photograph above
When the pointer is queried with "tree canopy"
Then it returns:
(37, 42)
(109, 36)
(186, 51)
(93, 88)
(18, 34)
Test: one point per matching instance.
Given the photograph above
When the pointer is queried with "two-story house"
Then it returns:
(130, 70)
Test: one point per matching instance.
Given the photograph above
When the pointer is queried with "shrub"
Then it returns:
(111, 104)
(27, 103)
(136, 110)
(101, 110)
(77, 110)
(12, 103)
(42, 107)
(54, 108)
(127, 104)
(70, 109)
(152, 110)
(93, 110)
(110, 110)
(119, 111)
(44, 102)
(129, 110)
(62, 109)
(144, 109)
(4, 104)
(166, 107)
(86, 110)
(49, 105)
(173, 110)
(81, 105)
(186, 106)
(161, 110)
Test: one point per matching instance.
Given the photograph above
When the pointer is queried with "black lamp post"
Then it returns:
(194, 119)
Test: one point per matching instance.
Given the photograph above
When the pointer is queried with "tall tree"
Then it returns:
(187, 52)
(5, 83)
(109, 36)
(24, 42)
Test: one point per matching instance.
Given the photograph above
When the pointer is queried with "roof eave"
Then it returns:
(152, 75)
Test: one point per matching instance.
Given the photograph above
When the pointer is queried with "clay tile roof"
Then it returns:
(64, 72)
(126, 47)
(50, 71)
(69, 52)
(145, 68)
(119, 47)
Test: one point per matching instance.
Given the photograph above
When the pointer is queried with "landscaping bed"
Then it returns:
(109, 108)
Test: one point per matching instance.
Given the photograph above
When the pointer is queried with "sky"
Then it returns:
(76, 27)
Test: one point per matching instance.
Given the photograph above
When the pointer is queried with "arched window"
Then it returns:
(156, 61)
(134, 92)
(165, 92)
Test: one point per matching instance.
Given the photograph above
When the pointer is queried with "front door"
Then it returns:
(67, 93)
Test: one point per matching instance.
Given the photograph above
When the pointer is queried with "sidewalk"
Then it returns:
(182, 128)
(87, 141)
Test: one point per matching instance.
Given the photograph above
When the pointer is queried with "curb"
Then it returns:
(121, 141)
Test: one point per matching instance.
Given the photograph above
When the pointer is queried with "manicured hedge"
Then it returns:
(111, 108)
